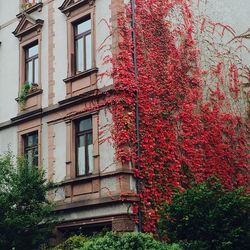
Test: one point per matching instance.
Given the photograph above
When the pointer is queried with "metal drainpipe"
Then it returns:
(137, 117)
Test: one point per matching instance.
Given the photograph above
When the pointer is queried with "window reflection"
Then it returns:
(31, 64)
(31, 148)
(84, 147)
(83, 46)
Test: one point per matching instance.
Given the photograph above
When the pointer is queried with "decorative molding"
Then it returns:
(81, 75)
(27, 25)
(87, 178)
(25, 116)
(32, 114)
(97, 202)
(70, 5)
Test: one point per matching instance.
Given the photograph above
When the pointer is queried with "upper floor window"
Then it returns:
(31, 63)
(84, 147)
(30, 142)
(83, 45)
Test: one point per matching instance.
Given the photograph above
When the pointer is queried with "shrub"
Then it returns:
(116, 241)
(208, 216)
(25, 211)
(127, 241)
(73, 242)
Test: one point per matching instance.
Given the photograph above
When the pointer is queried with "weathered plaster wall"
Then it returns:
(107, 152)
(98, 211)
(9, 70)
(60, 152)
(103, 38)
(60, 52)
(8, 140)
(232, 13)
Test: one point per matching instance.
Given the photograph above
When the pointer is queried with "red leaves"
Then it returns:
(183, 139)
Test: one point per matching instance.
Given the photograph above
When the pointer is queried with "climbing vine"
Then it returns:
(189, 127)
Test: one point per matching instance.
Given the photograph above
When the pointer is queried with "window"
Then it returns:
(31, 64)
(31, 148)
(84, 147)
(83, 45)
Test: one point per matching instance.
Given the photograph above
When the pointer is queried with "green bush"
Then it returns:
(25, 211)
(116, 241)
(74, 242)
(208, 216)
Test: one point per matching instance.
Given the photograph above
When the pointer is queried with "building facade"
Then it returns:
(53, 102)
(53, 106)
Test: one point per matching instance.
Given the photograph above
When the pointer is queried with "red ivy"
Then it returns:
(183, 138)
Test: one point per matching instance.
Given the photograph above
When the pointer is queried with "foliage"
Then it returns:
(184, 137)
(114, 241)
(25, 220)
(74, 242)
(26, 87)
(25, 6)
(208, 216)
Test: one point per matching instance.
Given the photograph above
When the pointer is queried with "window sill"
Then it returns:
(91, 177)
(80, 75)
(32, 93)
(32, 8)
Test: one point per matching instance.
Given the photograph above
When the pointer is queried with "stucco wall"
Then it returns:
(8, 140)
(60, 152)
(103, 39)
(232, 13)
(9, 70)
(107, 152)
(60, 52)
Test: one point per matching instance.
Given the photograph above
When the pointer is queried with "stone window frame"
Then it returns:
(71, 168)
(24, 44)
(76, 12)
(29, 32)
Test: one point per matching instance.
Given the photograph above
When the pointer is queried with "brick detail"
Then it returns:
(123, 225)
(51, 57)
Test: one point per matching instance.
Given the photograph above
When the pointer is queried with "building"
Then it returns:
(53, 106)
(60, 118)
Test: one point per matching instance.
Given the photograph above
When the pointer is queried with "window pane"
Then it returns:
(90, 153)
(79, 55)
(36, 71)
(88, 52)
(29, 77)
(85, 124)
(35, 157)
(81, 155)
(29, 156)
(35, 139)
(83, 27)
(32, 139)
(32, 51)
(31, 148)
(81, 140)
